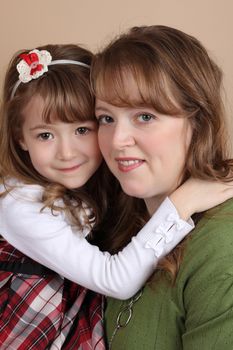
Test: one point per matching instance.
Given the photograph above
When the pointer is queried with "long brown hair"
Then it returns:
(67, 96)
(176, 76)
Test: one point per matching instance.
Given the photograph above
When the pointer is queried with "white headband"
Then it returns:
(35, 63)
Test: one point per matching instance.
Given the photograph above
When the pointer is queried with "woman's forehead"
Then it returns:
(120, 87)
(131, 88)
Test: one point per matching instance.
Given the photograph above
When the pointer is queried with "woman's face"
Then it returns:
(145, 150)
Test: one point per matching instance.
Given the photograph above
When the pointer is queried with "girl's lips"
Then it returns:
(128, 164)
(67, 170)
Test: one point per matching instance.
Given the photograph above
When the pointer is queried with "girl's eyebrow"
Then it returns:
(41, 126)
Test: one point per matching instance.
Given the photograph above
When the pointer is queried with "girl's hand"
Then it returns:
(197, 195)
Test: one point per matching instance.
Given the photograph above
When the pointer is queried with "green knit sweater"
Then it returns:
(195, 314)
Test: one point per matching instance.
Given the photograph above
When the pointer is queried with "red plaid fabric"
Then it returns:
(41, 310)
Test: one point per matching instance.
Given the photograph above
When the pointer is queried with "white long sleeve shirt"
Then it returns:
(53, 242)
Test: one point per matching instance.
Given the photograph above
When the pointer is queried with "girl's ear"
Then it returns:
(23, 145)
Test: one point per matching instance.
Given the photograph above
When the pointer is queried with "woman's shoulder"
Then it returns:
(204, 285)
(209, 249)
(215, 229)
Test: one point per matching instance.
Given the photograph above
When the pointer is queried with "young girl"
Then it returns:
(55, 189)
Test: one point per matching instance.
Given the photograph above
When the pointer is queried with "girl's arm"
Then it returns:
(51, 241)
(196, 195)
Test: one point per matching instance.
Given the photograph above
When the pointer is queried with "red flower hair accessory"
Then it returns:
(33, 65)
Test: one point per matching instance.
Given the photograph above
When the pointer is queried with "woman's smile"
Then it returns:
(127, 164)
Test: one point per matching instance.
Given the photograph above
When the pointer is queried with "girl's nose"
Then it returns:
(66, 149)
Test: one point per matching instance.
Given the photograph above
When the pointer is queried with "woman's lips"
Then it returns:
(128, 164)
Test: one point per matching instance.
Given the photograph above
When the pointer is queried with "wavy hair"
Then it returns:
(67, 97)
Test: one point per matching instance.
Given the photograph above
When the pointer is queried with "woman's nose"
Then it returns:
(123, 137)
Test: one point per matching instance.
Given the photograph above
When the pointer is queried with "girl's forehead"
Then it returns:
(61, 107)
(36, 103)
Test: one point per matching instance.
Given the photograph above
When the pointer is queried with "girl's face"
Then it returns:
(64, 153)
(145, 150)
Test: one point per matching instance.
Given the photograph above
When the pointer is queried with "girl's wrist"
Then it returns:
(181, 204)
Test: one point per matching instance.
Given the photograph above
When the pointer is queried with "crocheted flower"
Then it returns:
(33, 65)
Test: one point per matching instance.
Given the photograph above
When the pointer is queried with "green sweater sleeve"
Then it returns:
(206, 278)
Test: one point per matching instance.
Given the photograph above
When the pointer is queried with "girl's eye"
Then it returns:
(145, 117)
(104, 119)
(82, 130)
(44, 136)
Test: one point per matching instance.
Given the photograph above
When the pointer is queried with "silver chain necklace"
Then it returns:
(125, 313)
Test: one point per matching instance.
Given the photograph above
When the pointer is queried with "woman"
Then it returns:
(161, 120)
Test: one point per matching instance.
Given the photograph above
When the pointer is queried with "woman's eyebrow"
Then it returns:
(102, 109)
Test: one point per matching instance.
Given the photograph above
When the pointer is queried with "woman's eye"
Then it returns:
(82, 130)
(44, 136)
(144, 117)
(104, 119)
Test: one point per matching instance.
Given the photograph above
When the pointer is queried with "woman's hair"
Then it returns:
(174, 75)
(65, 90)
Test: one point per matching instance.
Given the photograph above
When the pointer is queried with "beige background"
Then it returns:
(29, 23)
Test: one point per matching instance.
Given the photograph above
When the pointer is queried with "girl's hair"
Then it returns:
(174, 75)
(67, 96)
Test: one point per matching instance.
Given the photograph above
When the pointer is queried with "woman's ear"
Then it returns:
(23, 145)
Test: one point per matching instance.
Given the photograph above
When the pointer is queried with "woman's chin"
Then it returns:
(133, 191)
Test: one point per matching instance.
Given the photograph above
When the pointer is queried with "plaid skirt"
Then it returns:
(41, 310)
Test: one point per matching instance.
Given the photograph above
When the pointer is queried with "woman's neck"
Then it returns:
(153, 203)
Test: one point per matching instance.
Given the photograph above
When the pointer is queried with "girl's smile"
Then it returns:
(70, 169)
